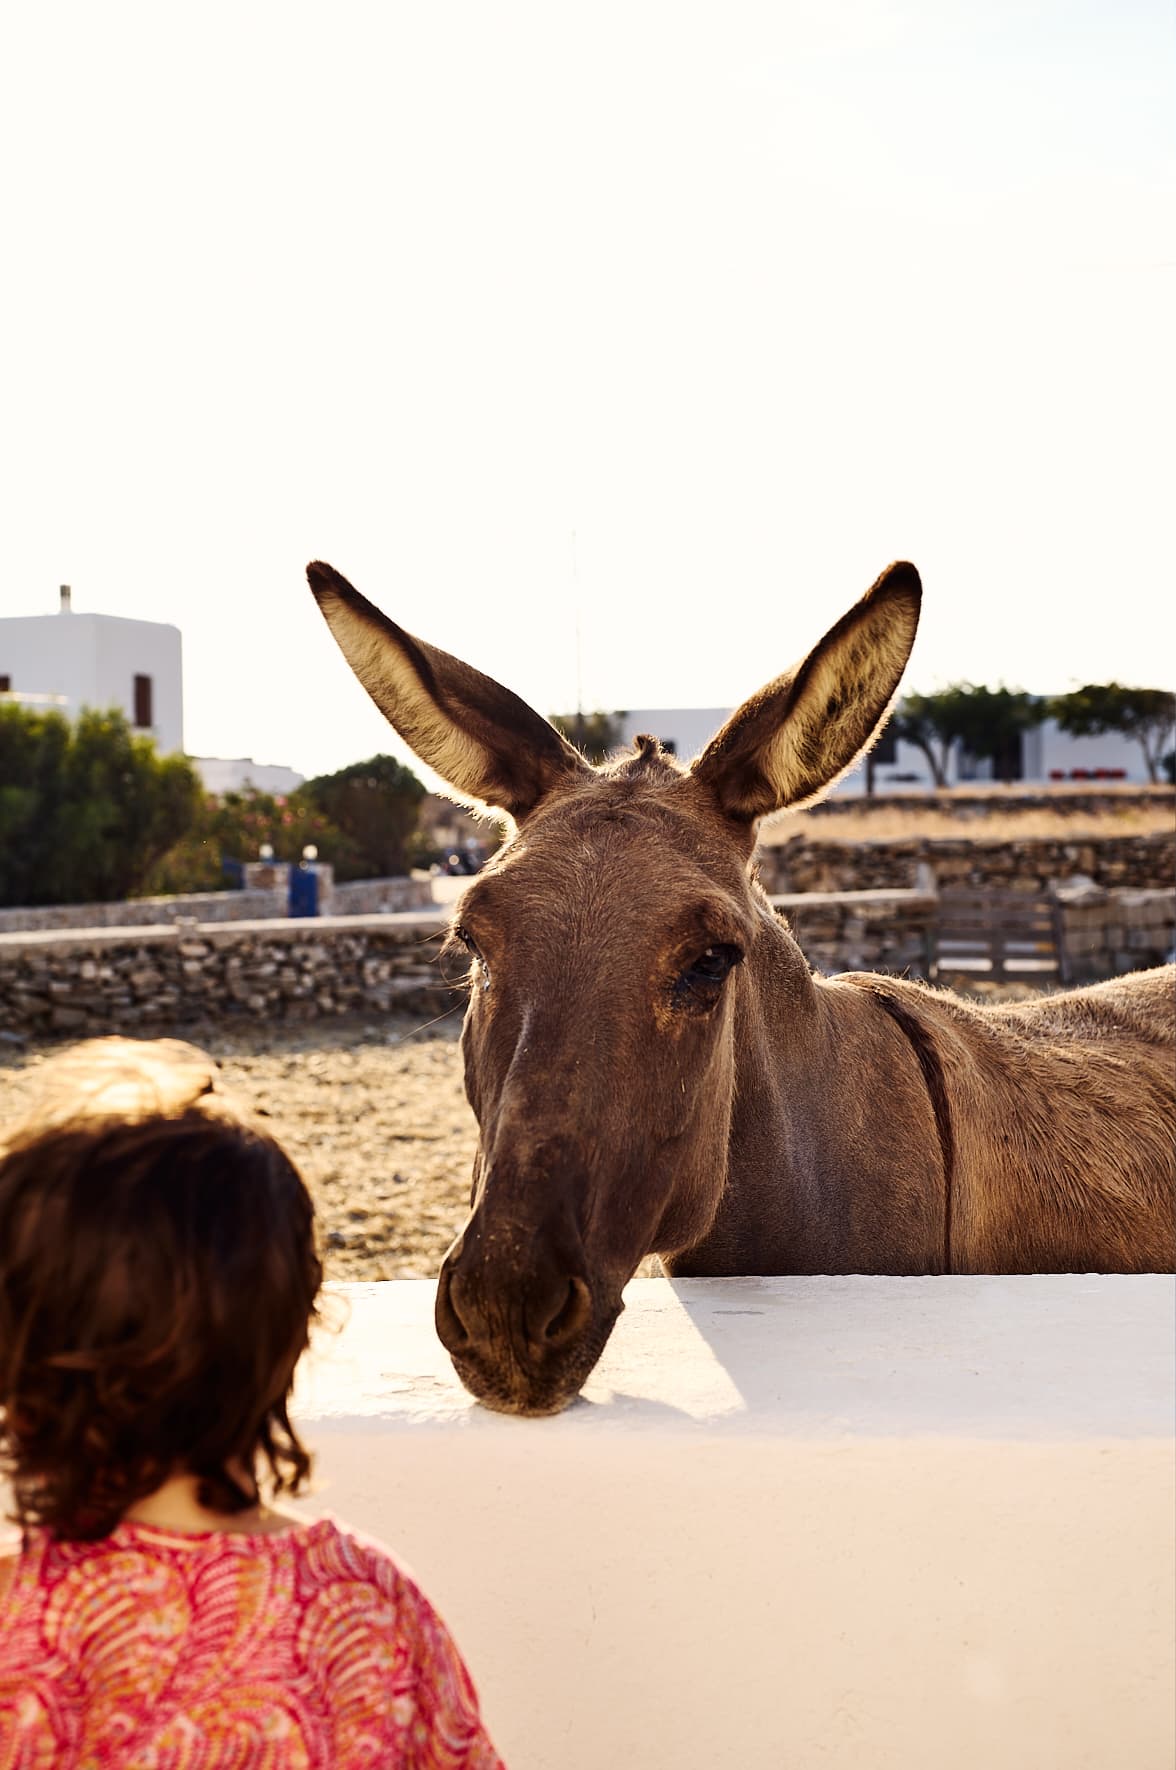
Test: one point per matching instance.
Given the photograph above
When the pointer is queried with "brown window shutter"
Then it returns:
(143, 717)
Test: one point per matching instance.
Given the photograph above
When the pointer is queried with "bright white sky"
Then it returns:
(752, 299)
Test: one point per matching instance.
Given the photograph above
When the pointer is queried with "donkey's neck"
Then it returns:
(834, 1160)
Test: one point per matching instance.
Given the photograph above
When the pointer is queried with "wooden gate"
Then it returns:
(1004, 935)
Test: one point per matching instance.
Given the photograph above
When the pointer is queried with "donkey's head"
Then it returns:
(605, 942)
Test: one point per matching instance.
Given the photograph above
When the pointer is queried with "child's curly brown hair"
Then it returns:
(158, 1276)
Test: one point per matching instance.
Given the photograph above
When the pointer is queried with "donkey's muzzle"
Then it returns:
(516, 1329)
(553, 1313)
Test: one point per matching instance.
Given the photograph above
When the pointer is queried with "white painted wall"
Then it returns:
(222, 774)
(1046, 748)
(92, 660)
(897, 1523)
(689, 729)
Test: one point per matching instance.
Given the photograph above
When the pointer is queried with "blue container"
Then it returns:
(303, 899)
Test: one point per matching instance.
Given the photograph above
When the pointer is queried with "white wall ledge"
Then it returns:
(288, 928)
(854, 1521)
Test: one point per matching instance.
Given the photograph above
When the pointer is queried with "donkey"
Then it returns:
(654, 1068)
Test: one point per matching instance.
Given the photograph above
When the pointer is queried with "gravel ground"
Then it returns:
(374, 1115)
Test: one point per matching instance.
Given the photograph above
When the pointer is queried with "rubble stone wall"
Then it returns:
(1029, 864)
(1104, 933)
(122, 980)
(864, 930)
(77, 984)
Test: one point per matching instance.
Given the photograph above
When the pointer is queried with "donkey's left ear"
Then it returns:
(791, 741)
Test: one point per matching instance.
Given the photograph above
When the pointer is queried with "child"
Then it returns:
(157, 1278)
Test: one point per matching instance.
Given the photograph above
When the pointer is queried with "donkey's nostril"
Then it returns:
(451, 1329)
(571, 1315)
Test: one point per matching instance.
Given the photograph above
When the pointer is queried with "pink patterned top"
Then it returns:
(309, 1649)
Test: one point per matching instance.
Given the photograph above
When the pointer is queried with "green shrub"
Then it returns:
(86, 810)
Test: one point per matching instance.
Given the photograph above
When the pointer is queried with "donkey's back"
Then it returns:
(1064, 1110)
(1139, 1006)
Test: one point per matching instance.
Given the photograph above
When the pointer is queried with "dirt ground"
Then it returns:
(374, 1115)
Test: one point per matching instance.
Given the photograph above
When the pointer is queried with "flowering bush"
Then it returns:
(362, 820)
(235, 827)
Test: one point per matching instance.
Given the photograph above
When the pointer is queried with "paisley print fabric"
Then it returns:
(306, 1650)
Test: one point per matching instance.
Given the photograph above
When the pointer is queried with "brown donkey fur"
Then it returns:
(655, 1069)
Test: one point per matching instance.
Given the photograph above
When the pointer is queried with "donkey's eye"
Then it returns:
(703, 976)
(713, 965)
(472, 948)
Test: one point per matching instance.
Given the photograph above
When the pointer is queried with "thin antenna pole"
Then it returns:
(579, 658)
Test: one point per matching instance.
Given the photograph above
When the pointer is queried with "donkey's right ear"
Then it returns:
(489, 746)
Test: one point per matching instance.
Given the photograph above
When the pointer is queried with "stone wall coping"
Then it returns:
(901, 896)
(284, 928)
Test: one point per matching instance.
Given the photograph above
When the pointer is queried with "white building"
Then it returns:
(70, 661)
(237, 774)
(683, 731)
(1045, 752)
(1052, 754)
(1041, 754)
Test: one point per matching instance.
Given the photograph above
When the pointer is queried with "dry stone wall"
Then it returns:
(79, 984)
(864, 930)
(148, 912)
(107, 980)
(1030, 864)
(63, 984)
(370, 897)
(1104, 933)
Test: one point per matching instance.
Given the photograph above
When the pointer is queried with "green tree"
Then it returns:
(33, 749)
(596, 734)
(924, 720)
(1147, 715)
(374, 805)
(987, 722)
(86, 810)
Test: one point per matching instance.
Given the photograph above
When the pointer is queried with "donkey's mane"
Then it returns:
(648, 763)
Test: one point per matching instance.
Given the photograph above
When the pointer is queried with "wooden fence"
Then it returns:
(1008, 935)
